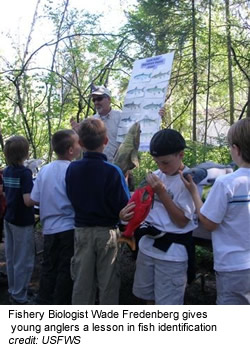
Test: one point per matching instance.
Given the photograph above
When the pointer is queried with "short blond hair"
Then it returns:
(239, 135)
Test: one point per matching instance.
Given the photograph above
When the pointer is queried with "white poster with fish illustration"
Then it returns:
(145, 96)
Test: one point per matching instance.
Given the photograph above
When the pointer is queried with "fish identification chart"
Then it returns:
(145, 95)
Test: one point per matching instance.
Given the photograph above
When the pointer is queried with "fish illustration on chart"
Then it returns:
(143, 76)
(127, 120)
(156, 90)
(146, 94)
(123, 131)
(147, 121)
(152, 106)
(160, 75)
(132, 105)
(136, 92)
(145, 136)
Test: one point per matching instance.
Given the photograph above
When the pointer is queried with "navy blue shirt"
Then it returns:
(97, 190)
(17, 181)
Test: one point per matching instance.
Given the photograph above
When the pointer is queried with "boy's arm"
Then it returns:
(28, 201)
(175, 213)
(192, 188)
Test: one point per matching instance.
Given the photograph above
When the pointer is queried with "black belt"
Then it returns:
(163, 243)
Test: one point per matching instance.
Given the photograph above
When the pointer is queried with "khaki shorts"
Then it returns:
(159, 280)
(95, 266)
(233, 288)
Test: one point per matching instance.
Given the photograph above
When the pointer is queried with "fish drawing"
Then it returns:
(152, 106)
(132, 105)
(155, 90)
(160, 75)
(146, 135)
(142, 76)
(148, 121)
(126, 120)
(136, 91)
(127, 155)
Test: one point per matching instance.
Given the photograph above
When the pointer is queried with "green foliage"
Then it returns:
(147, 164)
(204, 258)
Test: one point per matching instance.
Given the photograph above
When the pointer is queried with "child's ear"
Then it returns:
(80, 143)
(106, 140)
(237, 148)
(181, 154)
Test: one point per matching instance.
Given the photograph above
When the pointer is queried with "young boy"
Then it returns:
(57, 219)
(166, 249)
(226, 212)
(97, 191)
(18, 220)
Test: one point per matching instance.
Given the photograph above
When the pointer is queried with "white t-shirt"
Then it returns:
(228, 204)
(111, 121)
(56, 212)
(159, 218)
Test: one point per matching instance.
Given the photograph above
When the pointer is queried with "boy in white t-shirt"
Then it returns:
(162, 263)
(226, 212)
(57, 219)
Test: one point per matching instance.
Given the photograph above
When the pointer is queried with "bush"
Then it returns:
(204, 258)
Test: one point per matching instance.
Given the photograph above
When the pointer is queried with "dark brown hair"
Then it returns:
(62, 140)
(16, 150)
(239, 135)
(92, 133)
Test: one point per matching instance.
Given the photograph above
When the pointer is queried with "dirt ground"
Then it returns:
(202, 291)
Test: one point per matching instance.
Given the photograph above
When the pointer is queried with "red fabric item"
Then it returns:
(143, 198)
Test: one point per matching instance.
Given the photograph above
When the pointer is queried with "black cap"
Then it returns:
(166, 141)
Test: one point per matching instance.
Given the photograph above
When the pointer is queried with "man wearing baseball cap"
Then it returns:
(101, 97)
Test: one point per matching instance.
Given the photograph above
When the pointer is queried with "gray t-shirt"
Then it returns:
(111, 121)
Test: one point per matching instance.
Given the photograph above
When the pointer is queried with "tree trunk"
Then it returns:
(195, 79)
(208, 76)
(229, 59)
(248, 102)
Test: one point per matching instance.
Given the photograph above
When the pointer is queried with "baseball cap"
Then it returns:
(100, 90)
(166, 141)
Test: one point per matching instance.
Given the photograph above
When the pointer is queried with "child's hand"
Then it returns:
(156, 184)
(189, 183)
(127, 212)
(162, 112)
(74, 125)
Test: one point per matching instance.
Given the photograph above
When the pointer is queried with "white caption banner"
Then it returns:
(124, 327)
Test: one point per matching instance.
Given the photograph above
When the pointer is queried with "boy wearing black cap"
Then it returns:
(166, 251)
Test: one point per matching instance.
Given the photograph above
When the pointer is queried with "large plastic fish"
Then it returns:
(205, 174)
(198, 174)
(127, 155)
(143, 198)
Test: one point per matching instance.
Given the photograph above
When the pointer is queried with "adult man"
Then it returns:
(101, 97)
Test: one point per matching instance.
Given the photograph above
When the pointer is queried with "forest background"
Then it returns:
(209, 87)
